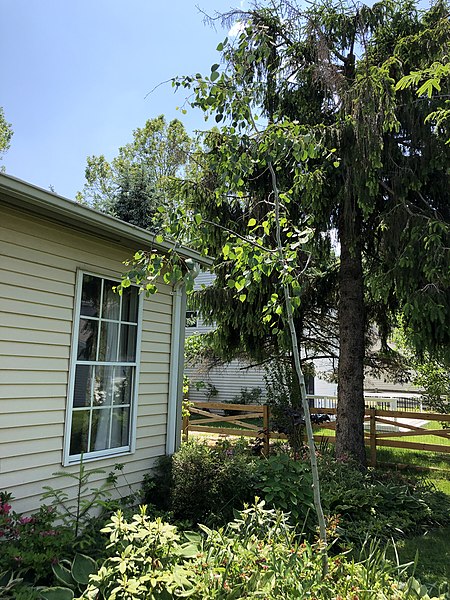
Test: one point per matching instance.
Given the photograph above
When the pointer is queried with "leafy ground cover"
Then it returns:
(271, 548)
(432, 551)
(255, 555)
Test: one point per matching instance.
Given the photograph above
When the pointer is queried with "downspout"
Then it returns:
(174, 418)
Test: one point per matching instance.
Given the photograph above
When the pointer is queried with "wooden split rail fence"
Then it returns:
(387, 428)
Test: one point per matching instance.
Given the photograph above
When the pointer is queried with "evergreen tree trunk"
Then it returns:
(350, 407)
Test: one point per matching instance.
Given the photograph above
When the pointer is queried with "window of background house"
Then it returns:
(192, 318)
(104, 370)
(309, 384)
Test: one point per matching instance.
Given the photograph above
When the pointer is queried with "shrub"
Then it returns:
(286, 484)
(204, 484)
(201, 483)
(256, 555)
(245, 396)
(32, 544)
(284, 398)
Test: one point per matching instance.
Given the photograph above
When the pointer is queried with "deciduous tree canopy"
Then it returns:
(135, 183)
(6, 133)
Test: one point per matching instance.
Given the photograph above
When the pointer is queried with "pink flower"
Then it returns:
(25, 520)
(48, 533)
(5, 508)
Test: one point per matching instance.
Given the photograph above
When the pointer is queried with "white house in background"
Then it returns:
(83, 371)
(228, 380)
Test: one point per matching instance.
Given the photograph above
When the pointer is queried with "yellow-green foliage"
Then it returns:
(255, 556)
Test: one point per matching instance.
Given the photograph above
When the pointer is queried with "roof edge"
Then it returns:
(23, 195)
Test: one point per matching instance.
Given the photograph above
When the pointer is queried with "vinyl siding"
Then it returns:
(38, 265)
(229, 380)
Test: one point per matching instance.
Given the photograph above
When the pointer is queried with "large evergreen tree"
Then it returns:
(333, 70)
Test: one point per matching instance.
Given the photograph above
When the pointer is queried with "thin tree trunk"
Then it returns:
(350, 407)
(301, 381)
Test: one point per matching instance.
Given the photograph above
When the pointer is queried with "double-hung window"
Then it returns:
(104, 370)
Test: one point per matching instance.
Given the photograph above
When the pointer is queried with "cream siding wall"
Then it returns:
(38, 263)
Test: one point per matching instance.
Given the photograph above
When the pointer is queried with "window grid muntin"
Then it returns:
(133, 365)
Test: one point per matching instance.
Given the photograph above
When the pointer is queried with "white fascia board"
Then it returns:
(24, 196)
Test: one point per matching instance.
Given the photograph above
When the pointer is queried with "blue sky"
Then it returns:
(75, 74)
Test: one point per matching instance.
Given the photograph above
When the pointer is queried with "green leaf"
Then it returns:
(82, 567)
(252, 222)
(239, 285)
(187, 550)
(215, 75)
(215, 67)
(243, 297)
(63, 575)
(198, 218)
(159, 239)
(57, 593)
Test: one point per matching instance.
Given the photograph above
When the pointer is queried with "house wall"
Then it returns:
(38, 263)
(231, 378)
(228, 380)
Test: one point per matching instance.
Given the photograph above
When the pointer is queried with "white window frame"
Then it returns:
(130, 448)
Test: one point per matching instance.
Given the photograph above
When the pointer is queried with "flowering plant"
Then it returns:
(30, 544)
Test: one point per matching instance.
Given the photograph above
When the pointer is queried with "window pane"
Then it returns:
(191, 318)
(82, 386)
(103, 387)
(122, 385)
(80, 432)
(90, 296)
(127, 351)
(111, 301)
(87, 340)
(130, 301)
(119, 429)
(108, 342)
(100, 429)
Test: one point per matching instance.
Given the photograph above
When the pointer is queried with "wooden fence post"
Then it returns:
(373, 438)
(185, 427)
(266, 423)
